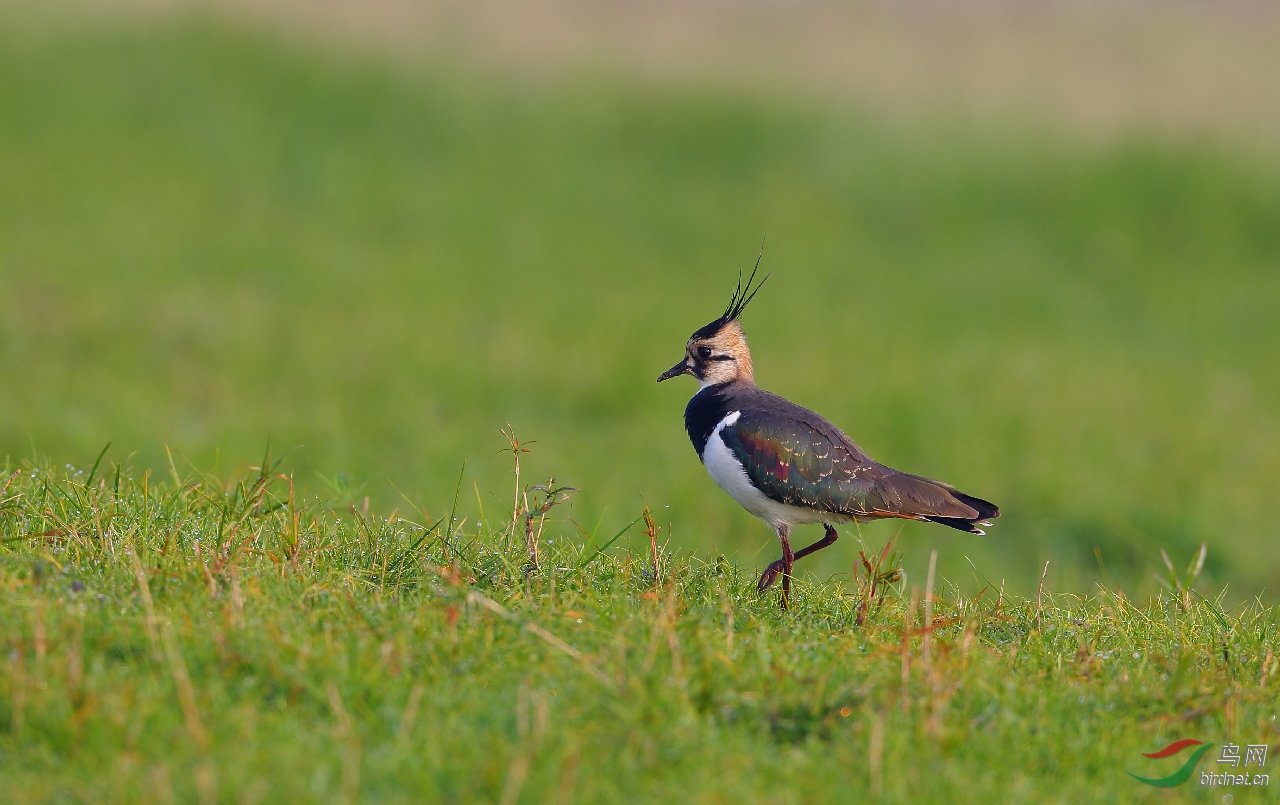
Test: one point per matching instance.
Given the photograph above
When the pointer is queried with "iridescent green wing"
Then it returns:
(808, 462)
(793, 462)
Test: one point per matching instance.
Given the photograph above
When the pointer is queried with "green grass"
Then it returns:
(200, 639)
(209, 240)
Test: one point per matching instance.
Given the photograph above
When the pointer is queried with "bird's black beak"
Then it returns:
(680, 368)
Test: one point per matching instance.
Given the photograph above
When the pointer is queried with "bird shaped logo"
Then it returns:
(786, 464)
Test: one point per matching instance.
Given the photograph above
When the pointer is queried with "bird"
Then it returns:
(788, 465)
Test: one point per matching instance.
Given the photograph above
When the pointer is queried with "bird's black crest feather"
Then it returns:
(742, 296)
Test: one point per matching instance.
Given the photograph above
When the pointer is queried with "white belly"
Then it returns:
(729, 475)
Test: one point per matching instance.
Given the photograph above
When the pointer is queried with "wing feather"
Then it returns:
(806, 461)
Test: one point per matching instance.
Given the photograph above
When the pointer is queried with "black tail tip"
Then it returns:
(986, 510)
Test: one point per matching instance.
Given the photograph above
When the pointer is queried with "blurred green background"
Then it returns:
(213, 236)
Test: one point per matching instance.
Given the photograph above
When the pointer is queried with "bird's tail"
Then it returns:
(900, 494)
(986, 510)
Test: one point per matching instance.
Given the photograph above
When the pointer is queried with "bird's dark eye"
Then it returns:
(704, 352)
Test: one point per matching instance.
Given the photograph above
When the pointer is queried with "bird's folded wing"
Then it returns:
(810, 463)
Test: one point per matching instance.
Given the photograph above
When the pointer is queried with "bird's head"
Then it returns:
(718, 353)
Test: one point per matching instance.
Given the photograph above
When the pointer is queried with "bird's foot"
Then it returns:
(770, 575)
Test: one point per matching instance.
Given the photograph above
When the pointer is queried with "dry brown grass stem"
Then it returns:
(517, 448)
(651, 531)
(186, 693)
(926, 639)
(18, 686)
(206, 782)
(932, 675)
(144, 590)
(352, 752)
(908, 623)
(1040, 596)
(479, 599)
(410, 712)
(568, 776)
(875, 754)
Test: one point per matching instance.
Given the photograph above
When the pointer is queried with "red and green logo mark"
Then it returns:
(1182, 774)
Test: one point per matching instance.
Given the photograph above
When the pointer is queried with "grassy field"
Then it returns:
(220, 640)
(211, 241)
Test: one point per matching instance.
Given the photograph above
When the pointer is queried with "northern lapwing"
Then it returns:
(786, 464)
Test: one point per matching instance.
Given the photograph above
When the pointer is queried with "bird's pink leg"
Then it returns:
(788, 561)
(771, 573)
